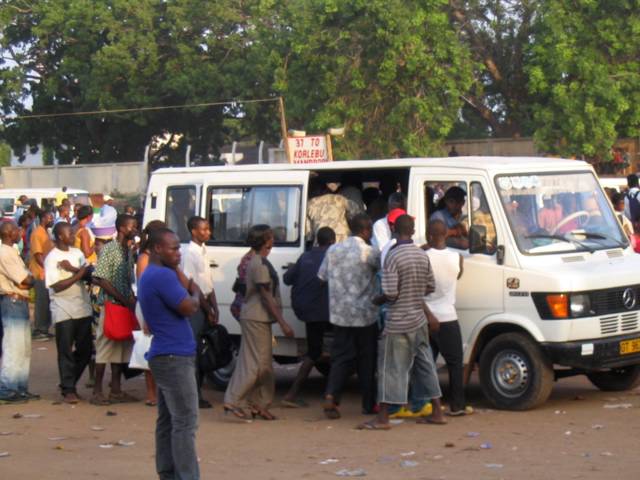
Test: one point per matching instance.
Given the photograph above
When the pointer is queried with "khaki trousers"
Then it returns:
(253, 382)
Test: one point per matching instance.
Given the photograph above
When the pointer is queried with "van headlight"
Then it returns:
(580, 305)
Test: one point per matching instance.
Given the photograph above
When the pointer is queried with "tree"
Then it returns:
(497, 33)
(392, 72)
(84, 55)
(5, 155)
(585, 75)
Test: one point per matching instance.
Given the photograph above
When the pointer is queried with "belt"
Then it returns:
(15, 296)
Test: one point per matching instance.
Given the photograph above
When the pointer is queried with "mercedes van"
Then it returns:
(550, 287)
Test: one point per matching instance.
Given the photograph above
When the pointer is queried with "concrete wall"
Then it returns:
(518, 147)
(126, 178)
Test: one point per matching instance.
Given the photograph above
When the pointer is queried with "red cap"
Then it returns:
(393, 215)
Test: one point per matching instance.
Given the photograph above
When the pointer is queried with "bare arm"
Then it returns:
(111, 290)
(39, 258)
(272, 307)
(85, 244)
(461, 267)
(27, 283)
(191, 302)
(62, 285)
(142, 264)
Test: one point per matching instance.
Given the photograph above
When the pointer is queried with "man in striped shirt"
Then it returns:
(404, 350)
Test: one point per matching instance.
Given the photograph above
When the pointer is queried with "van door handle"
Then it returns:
(213, 265)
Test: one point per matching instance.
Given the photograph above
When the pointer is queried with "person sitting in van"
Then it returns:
(351, 188)
(329, 209)
(617, 199)
(549, 215)
(449, 211)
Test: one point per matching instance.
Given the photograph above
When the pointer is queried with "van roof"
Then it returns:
(492, 164)
(38, 191)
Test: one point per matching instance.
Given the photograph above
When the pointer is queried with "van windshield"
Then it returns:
(559, 212)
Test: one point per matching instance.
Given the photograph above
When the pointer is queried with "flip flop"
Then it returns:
(373, 426)
(122, 397)
(298, 403)
(150, 403)
(431, 421)
(331, 411)
(99, 400)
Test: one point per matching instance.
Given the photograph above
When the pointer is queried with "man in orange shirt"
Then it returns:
(41, 245)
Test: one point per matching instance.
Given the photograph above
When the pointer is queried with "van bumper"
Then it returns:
(593, 354)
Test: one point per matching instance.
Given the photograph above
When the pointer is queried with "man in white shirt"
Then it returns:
(195, 265)
(447, 267)
(382, 227)
(65, 268)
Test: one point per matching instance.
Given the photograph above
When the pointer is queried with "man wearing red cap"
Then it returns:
(382, 227)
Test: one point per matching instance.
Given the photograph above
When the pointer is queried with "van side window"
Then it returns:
(447, 201)
(181, 205)
(233, 210)
(481, 219)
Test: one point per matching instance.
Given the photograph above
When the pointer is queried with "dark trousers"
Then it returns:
(72, 362)
(41, 311)
(198, 323)
(354, 345)
(177, 422)
(448, 342)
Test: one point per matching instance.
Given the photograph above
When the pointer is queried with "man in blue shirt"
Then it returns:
(167, 302)
(310, 302)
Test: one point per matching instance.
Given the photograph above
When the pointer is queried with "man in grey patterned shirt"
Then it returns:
(350, 269)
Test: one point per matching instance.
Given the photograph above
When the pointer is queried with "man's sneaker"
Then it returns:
(12, 399)
(30, 396)
(425, 411)
(202, 403)
(404, 412)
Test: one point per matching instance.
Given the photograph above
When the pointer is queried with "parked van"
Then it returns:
(535, 304)
(44, 196)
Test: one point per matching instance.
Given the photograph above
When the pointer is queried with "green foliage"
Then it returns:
(585, 75)
(392, 72)
(5, 155)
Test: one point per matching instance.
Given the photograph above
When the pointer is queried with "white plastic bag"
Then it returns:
(141, 345)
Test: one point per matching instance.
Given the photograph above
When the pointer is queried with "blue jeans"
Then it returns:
(177, 422)
(16, 346)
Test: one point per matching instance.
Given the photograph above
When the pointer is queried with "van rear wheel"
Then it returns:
(514, 372)
(616, 379)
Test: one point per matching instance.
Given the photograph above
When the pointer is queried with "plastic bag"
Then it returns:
(141, 346)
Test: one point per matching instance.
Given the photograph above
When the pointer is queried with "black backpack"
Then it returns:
(634, 206)
(215, 348)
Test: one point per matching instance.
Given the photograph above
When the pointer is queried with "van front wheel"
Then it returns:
(514, 372)
(616, 379)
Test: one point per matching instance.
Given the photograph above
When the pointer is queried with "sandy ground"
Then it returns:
(572, 436)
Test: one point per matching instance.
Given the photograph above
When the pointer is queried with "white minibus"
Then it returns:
(550, 287)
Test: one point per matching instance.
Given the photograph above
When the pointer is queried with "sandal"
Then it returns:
(431, 421)
(264, 414)
(99, 399)
(296, 403)
(373, 425)
(122, 397)
(331, 411)
(150, 403)
(235, 411)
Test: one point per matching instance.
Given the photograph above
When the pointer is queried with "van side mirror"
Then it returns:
(500, 254)
(478, 239)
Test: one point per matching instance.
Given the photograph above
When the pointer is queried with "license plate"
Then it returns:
(630, 346)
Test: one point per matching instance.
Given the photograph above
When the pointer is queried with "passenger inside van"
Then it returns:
(449, 211)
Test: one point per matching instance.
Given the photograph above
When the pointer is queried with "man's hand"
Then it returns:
(66, 266)
(379, 300)
(287, 330)
(434, 323)
(212, 319)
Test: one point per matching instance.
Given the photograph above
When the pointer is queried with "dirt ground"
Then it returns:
(571, 436)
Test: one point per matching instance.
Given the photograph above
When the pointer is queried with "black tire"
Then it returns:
(221, 377)
(514, 372)
(616, 379)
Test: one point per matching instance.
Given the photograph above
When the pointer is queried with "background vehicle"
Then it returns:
(44, 196)
(544, 295)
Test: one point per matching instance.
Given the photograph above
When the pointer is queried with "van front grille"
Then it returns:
(612, 324)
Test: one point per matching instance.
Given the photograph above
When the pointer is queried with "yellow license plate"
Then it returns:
(630, 346)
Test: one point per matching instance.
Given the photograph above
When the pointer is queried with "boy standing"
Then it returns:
(447, 265)
(71, 311)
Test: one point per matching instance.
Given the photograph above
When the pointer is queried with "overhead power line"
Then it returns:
(137, 109)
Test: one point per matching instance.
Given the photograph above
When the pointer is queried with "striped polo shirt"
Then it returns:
(406, 278)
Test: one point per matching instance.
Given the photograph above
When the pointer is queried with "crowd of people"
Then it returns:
(388, 303)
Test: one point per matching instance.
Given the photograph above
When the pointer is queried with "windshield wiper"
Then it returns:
(562, 238)
(600, 236)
